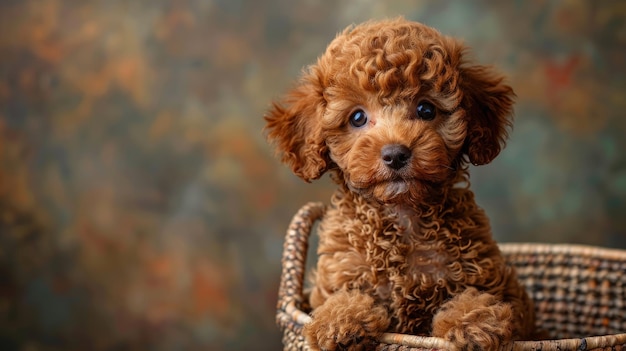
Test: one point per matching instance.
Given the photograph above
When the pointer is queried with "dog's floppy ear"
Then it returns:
(488, 102)
(294, 127)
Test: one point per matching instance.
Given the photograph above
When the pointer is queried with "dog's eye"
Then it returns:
(358, 118)
(426, 111)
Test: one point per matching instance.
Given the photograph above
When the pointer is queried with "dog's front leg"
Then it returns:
(347, 320)
(474, 320)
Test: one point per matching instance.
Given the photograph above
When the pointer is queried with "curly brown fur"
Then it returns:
(395, 113)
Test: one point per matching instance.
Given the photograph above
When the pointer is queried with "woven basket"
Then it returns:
(579, 294)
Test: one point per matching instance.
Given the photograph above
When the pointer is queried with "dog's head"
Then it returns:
(395, 108)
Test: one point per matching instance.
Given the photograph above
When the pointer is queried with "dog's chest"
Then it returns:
(406, 253)
(426, 256)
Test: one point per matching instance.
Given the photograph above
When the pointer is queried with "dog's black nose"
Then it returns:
(395, 156)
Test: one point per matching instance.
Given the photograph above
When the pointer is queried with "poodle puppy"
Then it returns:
(395, 113)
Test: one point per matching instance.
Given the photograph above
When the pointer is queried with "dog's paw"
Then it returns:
(474, 321)
(347, 320)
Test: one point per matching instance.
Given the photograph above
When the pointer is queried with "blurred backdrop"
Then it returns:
(142, 209)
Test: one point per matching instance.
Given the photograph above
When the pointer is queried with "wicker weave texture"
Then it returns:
(578, 290)
(579, 294)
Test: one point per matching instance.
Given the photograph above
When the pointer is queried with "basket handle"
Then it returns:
(295, 249)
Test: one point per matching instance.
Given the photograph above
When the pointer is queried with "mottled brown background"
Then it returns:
(141, 208)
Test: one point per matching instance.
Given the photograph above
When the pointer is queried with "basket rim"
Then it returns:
(581, 250)
(584, 343)
(290, 299)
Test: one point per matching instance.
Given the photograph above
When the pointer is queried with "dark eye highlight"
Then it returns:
(426, 111)
(358, 118)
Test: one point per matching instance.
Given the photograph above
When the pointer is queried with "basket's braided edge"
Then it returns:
(615, 342)
(289, 316)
